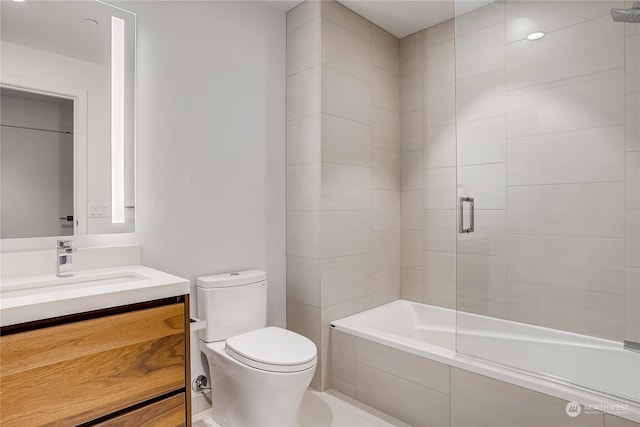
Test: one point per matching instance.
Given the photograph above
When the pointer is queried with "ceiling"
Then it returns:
(399, 17)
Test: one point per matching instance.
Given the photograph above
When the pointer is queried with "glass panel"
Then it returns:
(548, 148)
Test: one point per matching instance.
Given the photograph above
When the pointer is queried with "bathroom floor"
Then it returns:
(324, 409)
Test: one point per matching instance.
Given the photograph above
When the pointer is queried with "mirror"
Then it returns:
(67, 144)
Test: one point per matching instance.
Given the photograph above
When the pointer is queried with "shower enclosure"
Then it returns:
(547, 129)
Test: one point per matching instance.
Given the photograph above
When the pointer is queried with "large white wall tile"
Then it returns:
(585, 263)
(386, 170)
(411, 92)
(440, 188)
(633, 122)
(525, 17)
(386, 90)
(584, 312)
(386, 287)
(303, 47)
(440, 274)
(345, 187)
(303, 140)
(633, 180)
(481, 306)
(585, 48)
(411, 129)
(587, 155)
(345, 51)
(411, 170)
(439, 105)
(303, 94)
(386, 250)
(440, 230)
(439, 65)
(482, 141)
(489, 236)
(411, 284)
(440, 146)
(385, 129)
(480, 52)
(596, 209)
(303, 187)
(411, 249)
(423, 371)
(633, 304)
(385, 210)
(385, 50)
(481, 96)
(480, 401)
(482, 277)
(345, 278)
(346, 18)
(487, 184)
(344, 233)
(302, 14)
(404, 399)
(438, 34)
(303, 280)
(303, 234)
(411, 54)
(411, 208)
(632, 64)
(590, 101)
(345, 141)
(479, 19)
(345, 96)
(633, 238)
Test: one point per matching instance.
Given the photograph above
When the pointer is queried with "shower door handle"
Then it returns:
(461, 227)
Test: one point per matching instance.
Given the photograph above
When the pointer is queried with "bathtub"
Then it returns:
(569, 366)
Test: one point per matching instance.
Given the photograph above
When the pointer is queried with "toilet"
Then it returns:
(258, 374)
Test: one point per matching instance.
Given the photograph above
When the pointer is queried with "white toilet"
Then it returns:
(258, 374)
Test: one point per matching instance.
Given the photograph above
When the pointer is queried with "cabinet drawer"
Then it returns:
(76, 372)
(169, 412)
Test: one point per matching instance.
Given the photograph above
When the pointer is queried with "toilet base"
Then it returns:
(243, 396)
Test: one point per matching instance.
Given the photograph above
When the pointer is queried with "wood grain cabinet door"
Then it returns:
(169, 412)
(76, 372)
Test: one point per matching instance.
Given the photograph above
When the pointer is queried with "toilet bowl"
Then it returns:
(258, 374)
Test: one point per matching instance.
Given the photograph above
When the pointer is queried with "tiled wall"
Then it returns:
(543, 143)
(382, 136)
(343, 174)
(632, 133)
(422, 392)
(428, 166)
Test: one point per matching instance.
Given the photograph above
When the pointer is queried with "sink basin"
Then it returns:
(27, 299)
(56, 284)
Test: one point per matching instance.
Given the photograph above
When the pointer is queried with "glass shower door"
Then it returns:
(547, 261)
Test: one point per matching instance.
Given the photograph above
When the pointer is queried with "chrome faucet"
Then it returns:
(65, 251)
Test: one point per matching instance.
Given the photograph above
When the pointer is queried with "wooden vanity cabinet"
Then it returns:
(123, 366)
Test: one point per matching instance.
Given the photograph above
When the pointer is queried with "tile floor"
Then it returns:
(326, 409)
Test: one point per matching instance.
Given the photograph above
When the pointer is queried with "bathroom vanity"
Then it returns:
(105, 347)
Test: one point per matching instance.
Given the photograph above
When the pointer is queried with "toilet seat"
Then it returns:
(272, 349)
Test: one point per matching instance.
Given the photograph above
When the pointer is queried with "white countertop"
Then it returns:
(26, 299)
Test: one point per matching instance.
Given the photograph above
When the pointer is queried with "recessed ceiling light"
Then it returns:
(19, 1)
(91, 21)
(535, 36)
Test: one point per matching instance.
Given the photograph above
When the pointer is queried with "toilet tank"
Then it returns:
(232, 303)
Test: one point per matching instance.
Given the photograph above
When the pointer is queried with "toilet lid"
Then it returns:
(273, 349)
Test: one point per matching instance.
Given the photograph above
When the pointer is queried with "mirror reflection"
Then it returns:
(72, 64)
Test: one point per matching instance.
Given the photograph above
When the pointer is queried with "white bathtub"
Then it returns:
(574, 367)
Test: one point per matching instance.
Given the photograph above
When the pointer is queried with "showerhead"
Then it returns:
(631, 15)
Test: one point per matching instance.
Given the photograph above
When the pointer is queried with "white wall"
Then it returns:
(211, 141)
